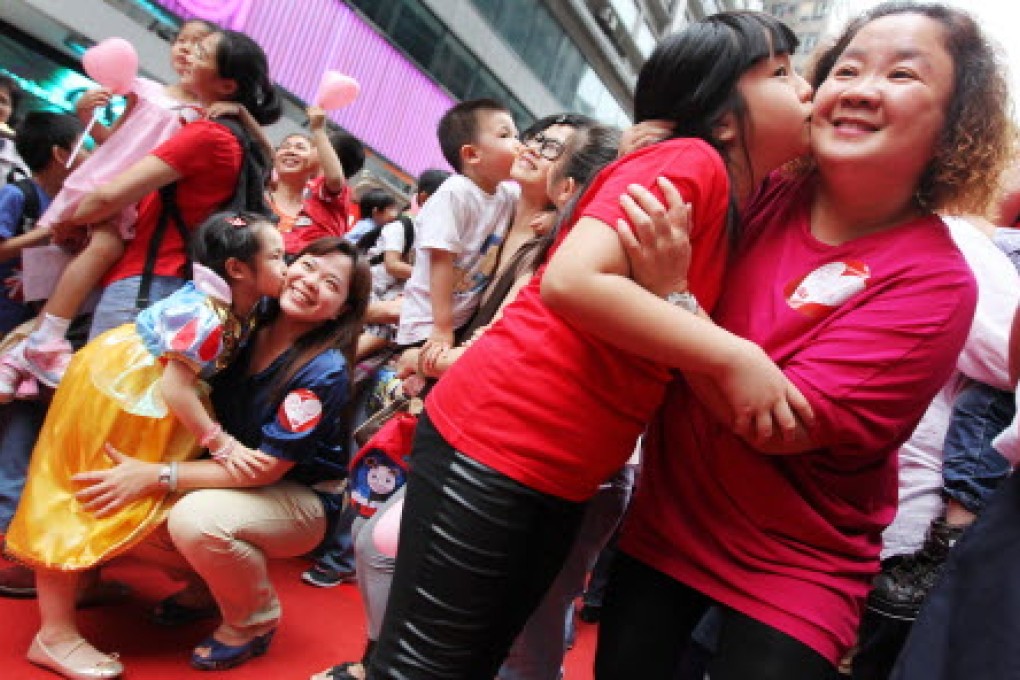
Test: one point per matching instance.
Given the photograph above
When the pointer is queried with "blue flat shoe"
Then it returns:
(221, 656)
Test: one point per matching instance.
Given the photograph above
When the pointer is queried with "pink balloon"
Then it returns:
(336, 90)
(113, 63)
(387, 530)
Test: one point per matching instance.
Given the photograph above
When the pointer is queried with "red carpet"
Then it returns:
(320, 627)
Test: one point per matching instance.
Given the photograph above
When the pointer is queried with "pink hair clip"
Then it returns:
(237, 221)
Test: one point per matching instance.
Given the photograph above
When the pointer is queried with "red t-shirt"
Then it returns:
(208, 159)
(557, 409)
(322, 214)
(869, 331)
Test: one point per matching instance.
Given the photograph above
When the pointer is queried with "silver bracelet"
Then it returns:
(173, 477)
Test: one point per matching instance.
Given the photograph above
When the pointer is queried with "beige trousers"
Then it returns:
(227, 536)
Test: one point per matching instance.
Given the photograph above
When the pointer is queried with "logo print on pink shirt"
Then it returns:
(300, 411)
(827, 287)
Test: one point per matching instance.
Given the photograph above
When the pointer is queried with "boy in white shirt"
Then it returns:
(461, 226)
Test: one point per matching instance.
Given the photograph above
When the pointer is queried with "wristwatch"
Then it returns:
(684, 300)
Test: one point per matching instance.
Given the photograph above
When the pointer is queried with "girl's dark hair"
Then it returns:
(977, 139)
(340, 333)
(691, 77)
(15, 93)
(210, 26)
(375, 199)
(239, 58)
(226, 235)
(591, 148)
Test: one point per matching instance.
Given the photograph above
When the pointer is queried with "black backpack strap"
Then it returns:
(32, 207)
(368, 240)
(169, 212)
(408, 235)
(250, 191)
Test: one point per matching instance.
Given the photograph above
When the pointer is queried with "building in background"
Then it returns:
(814, 22)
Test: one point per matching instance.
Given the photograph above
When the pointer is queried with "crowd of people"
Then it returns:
(755, 355)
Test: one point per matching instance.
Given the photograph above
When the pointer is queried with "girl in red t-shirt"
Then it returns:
(851, 283)
(550, 401)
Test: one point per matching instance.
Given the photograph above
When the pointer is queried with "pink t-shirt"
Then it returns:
(557, 409)
(869, 331)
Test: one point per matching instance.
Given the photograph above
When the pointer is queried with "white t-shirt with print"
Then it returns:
(462, 219)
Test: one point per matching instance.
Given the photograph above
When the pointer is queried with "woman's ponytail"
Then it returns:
(241, 59)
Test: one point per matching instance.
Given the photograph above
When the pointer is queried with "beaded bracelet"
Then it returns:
(223, 453)
(209, 436)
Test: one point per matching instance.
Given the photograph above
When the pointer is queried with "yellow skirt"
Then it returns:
(109, 394)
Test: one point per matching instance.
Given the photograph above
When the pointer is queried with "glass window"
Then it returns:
(546, 36)
(455, 67)
(627, 11)
(418, 32)
(489, 9)
(567, 69)
(382, 13)
(515, 22)
(645, 40)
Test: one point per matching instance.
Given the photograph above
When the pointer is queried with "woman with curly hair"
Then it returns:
(851, 283)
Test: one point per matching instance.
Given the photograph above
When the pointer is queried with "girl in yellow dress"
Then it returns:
(139, 388)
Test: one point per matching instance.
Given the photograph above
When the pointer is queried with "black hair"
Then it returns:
(340, 333)
(241, 59)
(40, 132)
(15, 93)
(375, 199)
(430, 180)
(459, 126)
(226, 235)
(349, 150)
(212, 28)
(574, 120)
(591, 147)
(691, 77)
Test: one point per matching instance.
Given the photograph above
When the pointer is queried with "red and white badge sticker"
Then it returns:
(301, 411)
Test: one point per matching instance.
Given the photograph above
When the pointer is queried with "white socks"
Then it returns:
(51, 328)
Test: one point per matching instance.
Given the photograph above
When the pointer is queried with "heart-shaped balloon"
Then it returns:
(336, 90)
(113, 63)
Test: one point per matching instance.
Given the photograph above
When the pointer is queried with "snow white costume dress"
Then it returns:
(111, 393)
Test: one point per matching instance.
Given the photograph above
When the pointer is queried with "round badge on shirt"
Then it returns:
(300, 411)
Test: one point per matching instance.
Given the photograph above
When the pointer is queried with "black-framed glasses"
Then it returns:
(548, 148)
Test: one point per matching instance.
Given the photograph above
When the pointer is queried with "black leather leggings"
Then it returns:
(477, 552)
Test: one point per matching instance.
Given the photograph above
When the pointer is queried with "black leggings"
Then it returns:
(477, 553)
(646, 626)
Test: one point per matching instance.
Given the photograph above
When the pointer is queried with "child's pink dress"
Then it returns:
(154, 119)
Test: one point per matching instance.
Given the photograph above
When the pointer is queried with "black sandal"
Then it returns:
(343, 671)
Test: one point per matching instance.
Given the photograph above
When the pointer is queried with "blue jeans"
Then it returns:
(336, 552)
(118, 303)
(972, 469)
(20, 422)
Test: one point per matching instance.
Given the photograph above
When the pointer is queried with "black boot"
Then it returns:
(899, 592)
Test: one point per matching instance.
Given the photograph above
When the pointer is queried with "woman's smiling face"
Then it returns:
(316, 287)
